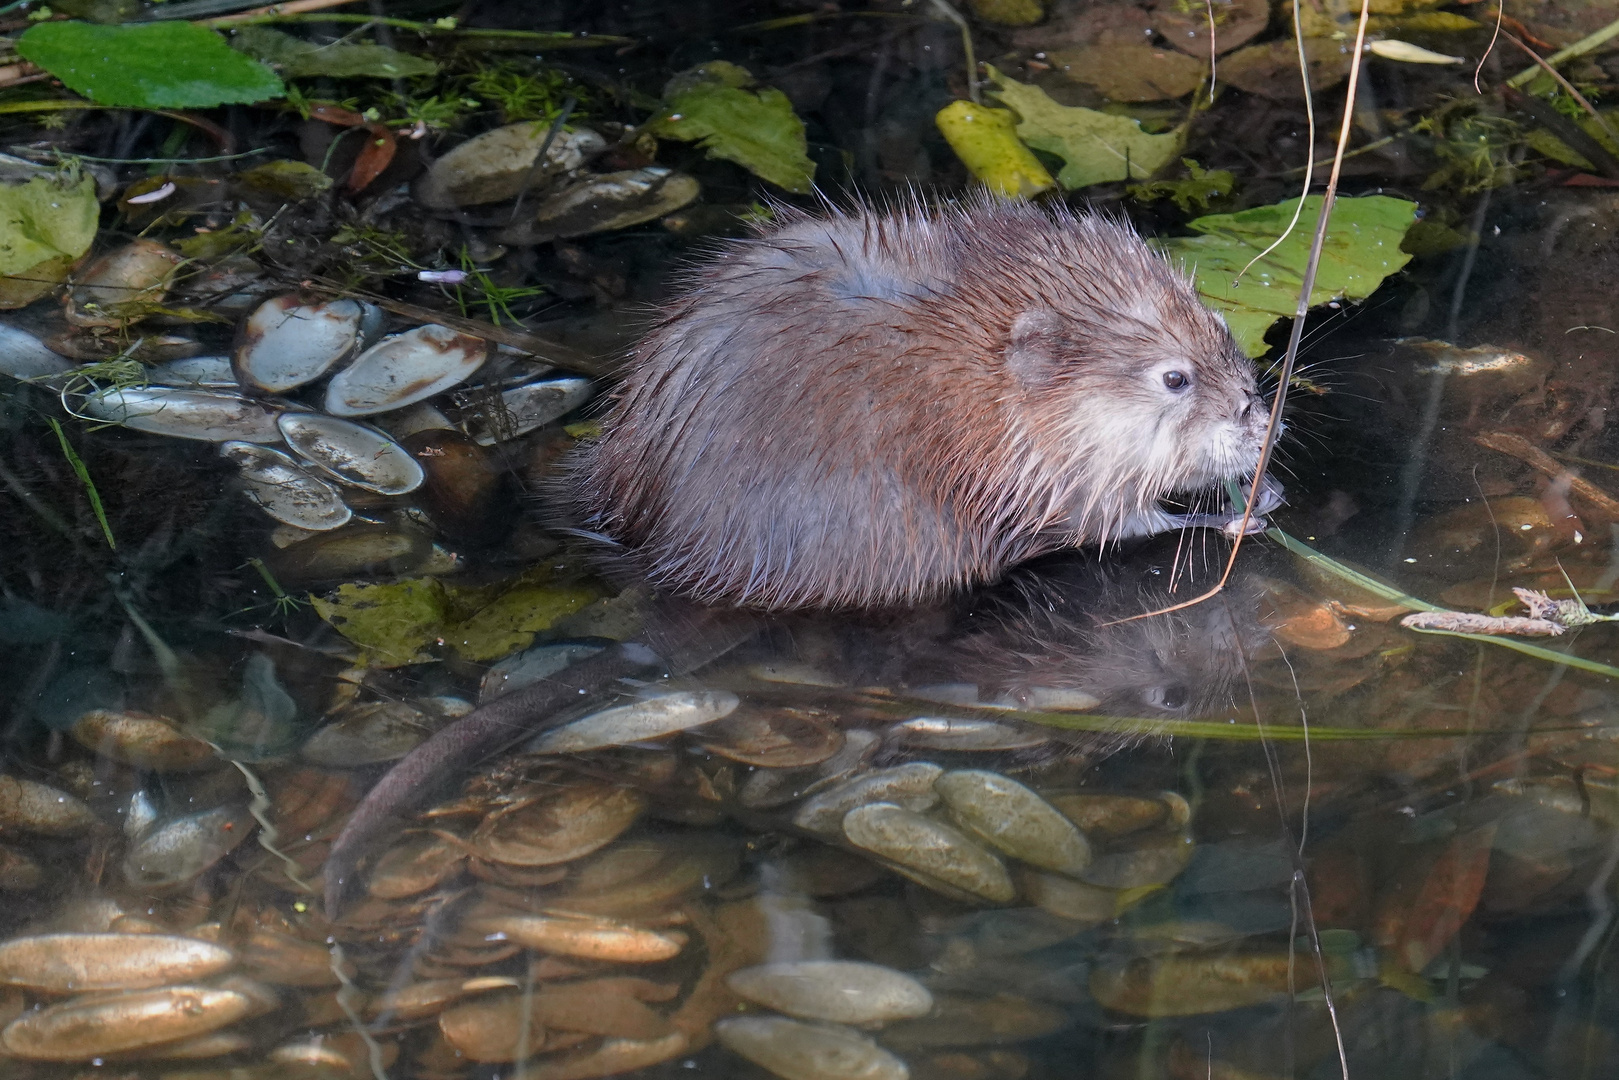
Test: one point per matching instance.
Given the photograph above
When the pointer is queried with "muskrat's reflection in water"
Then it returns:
(1068, 633)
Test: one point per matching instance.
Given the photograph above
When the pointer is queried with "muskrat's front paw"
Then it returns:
(1229, 519)
(1271, 496)
(1256, 524)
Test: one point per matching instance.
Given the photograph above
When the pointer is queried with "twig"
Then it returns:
(1356, 152)
(11, 73)
(1579, 48)
(1567, 86)
(226, 141)
(1521, 448)
(1388, 592)
(291, 7)
(1309, 163)
(1285, 375)
(540, 39)
(1500, 17)
(539, 158)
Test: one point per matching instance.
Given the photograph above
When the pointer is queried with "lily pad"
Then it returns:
(1097, 147)
(1362, 248)
(47, 220)
(712, 106)
(158, 65)
(300, 59)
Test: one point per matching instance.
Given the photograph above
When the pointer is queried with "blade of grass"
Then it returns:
(1224, 730)
(83, 474)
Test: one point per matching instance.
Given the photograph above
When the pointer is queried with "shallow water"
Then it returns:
(1274, 834)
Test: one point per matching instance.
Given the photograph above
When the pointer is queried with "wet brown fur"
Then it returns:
(876, 407)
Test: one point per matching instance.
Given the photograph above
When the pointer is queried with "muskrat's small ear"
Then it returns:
(1036, 348)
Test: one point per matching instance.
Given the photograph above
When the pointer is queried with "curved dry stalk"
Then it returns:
(1309, 161)
(1500, 17)
(1306, 287)
(1209, 7)
(949, 14)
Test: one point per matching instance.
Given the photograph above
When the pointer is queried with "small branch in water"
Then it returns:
(1579, 48)
(1567, 86)
(1521, 448)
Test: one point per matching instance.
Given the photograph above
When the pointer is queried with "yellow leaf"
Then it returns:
(986, 141)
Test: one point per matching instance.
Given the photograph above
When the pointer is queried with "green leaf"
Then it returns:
(161, 65)
(1097, 148)
(1362, 248)
(44, 217)
(1199, 189)
(47, 220)
(505, 622)
(400, 623)
(300, 59)
(758, 130)
(283, 181)
(394, 623)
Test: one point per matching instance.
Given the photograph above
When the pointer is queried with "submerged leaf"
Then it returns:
(400, 623)
(393, 622)
(300, 59)
(1096, 146)
(159, 65)
(1134, 72)
(506, 622)
(757, 129)
(47, 220)
(1416, 929)
(1362, 248)
(283, 181)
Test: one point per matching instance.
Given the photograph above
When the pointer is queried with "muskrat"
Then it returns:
(877, 407)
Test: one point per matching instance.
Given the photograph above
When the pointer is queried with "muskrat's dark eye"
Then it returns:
(1176, 380)
(1172, 697)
